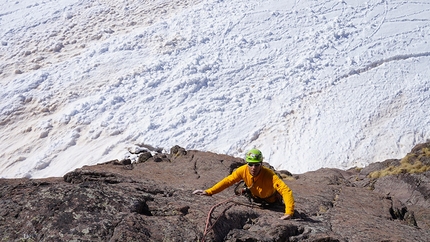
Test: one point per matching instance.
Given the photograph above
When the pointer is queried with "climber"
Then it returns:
(261, 182)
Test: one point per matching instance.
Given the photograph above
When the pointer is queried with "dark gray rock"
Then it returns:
(153, 201)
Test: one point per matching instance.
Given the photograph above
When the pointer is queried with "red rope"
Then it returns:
(207, 227)
(208, 219)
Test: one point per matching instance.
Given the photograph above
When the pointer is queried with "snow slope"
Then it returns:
(310, 83)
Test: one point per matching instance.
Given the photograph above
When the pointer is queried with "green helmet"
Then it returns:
(254, 156)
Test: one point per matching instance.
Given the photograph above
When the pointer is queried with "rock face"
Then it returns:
(153, 201)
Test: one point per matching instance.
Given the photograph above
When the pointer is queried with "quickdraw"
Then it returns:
(242, 190)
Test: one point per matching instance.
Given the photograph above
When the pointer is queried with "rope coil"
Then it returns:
(209, 227)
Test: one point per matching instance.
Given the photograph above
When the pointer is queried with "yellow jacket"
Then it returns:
(263, 186)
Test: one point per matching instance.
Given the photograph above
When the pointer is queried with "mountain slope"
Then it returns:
(312, 84)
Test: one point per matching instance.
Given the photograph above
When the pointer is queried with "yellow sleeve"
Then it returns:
(233, 178)
(286, 193)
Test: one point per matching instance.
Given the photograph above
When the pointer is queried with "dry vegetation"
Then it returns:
(417, 161)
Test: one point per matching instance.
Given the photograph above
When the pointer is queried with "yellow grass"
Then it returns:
(409, 164)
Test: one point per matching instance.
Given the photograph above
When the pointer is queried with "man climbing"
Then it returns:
(262, 183)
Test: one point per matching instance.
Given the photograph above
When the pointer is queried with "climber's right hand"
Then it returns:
(199, 192)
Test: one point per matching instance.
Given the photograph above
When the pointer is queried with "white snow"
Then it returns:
(311, 83)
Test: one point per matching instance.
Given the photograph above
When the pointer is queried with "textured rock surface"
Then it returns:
(153, 201)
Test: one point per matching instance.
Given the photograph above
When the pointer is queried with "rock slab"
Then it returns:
(152, 201)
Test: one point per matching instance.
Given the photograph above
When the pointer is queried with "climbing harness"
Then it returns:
(242, 190)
